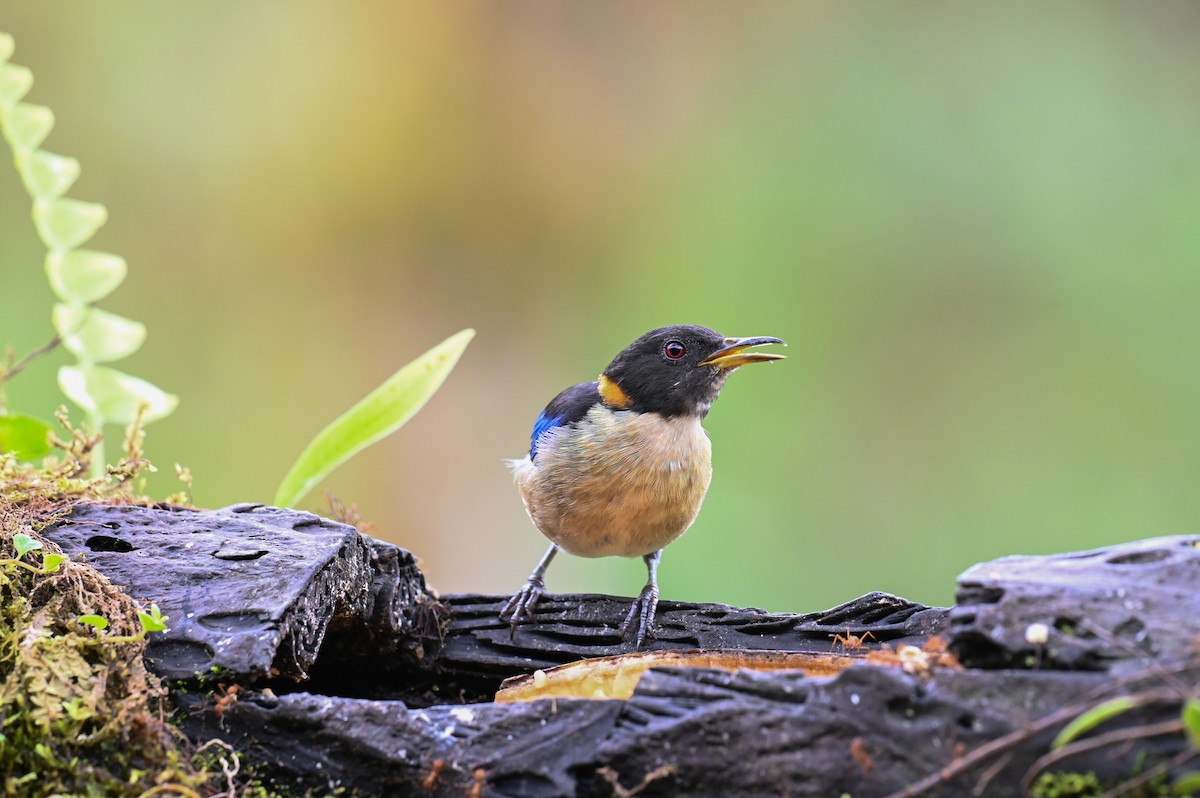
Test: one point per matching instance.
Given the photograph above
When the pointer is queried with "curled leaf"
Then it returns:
(67, 223)
(15, 83)
(47, 176)
(113, 395)
(27, 126)
(84, 276)
(96, 335)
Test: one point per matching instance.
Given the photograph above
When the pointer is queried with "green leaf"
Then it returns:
(153, 621)
(51, 562)
(378, 415)
(15, 82)
(7, 45)
(24, 544)
(84, 276)
(96, 335)
(98, 621)
(76, 709)
(1091, 719)
(24, 436)
(67, 223)
(1191, 721)
(1187, 784)
(26, 126)
(47, 176)
(113, 395)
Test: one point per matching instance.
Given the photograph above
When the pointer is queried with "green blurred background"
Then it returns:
(976, 225)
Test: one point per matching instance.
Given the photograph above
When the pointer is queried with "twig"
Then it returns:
(971, 760)
(1127, 787)
(1099, 741)
(986, 777)
(16, 368)
(967, 761)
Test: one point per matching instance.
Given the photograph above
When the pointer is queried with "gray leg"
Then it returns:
(521, 605)
(646, 603)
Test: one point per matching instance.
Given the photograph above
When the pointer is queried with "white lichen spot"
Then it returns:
(463, 714)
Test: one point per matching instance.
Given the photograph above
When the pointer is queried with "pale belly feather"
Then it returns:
(617, 483)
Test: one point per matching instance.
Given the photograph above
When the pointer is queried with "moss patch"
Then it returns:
(79, 713)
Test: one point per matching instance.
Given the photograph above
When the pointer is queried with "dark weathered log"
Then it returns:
(251, 592)
(482, 650)
(1117, 604)
(868, 732)
(266, 593)
(368, 747)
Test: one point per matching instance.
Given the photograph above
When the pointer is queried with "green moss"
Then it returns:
(1066, 785)
(79, 714)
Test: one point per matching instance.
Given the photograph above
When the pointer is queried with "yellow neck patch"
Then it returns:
(612, 394)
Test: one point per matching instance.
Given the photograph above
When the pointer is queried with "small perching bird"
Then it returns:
(620, 466)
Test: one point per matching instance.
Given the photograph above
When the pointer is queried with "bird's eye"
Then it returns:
(673, 350)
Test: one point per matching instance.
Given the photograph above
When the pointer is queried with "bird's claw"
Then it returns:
(643, 610)
(521, 605)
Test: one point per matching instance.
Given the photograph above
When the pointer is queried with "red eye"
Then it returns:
(673, 350)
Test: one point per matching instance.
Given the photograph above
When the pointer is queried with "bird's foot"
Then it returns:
(521, 605)
(643, 612)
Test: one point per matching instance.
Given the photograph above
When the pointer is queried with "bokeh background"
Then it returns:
(977, 225)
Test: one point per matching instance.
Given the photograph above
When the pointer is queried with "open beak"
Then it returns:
(734, 353)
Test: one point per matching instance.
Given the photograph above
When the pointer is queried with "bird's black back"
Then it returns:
(567, 408)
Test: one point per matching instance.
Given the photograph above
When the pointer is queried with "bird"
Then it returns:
(620, 466)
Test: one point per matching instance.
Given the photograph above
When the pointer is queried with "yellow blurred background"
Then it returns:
(976, 225)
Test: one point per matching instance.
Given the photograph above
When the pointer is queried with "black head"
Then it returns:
(677, 370)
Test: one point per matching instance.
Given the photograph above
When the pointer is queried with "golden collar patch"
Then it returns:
(612, 394)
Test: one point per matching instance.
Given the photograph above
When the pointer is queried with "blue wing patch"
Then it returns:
(543, 425)
(565, 409)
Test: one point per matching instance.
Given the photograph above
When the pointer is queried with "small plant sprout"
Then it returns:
(52, 562)
(153, 621)
(25, 544)
(98, 621)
